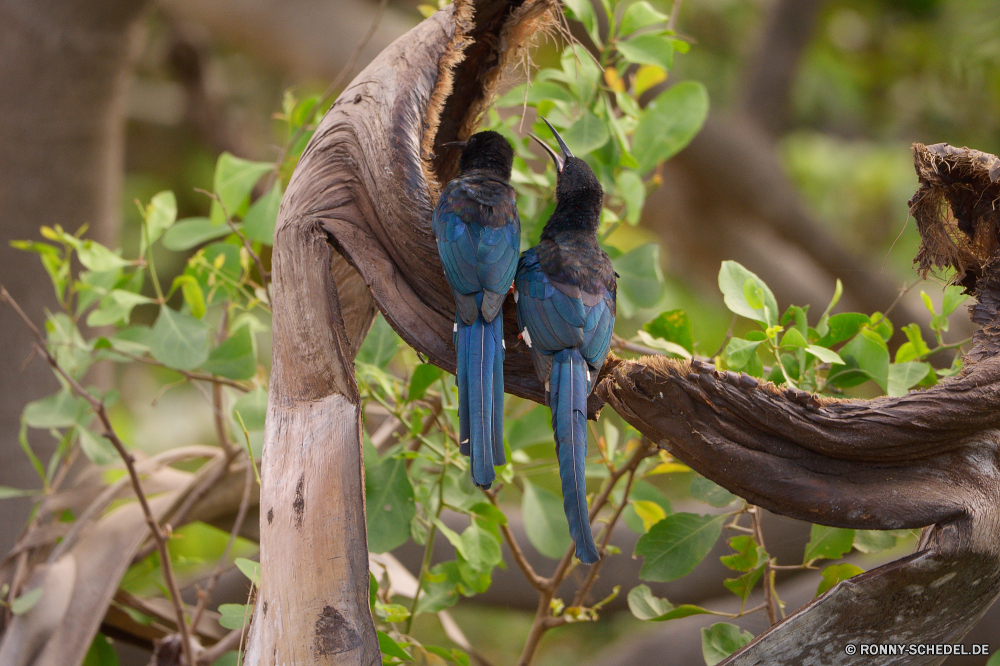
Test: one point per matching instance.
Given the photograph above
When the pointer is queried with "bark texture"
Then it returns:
(369, 179)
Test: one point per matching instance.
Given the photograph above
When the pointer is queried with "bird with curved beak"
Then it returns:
(565, 292)
(478, 237)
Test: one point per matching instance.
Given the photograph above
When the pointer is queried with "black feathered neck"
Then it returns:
(490, 152)
(579, 199)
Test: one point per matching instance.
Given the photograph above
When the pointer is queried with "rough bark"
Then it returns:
(927, 459)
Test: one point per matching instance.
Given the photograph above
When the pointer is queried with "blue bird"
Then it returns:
(565, 293)
(478, 237)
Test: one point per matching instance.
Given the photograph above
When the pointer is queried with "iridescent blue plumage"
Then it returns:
(478, 236)
(565, 292)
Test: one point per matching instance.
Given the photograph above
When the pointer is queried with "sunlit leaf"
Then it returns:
(835, 573)
(721, 640)
(676, 544)
(732, 278)
(258, 223)
(829, 543)
(179, 340)
(234, 178)
(668, 124)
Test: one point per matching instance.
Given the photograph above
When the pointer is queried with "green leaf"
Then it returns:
(640, 284)
(639, 15)
(646, 606)
(633, 193)
(116, 306)
(192, 232)
(587, 134)
(391, 612)
(953, 297)
(67, 345)
(6, 492)
(161, 213)
(835, 573)
(915, 348)
(391, 648)
(647, 494)
(668, 124)
(865, 357)
(659, 343)
(179, 340)
(545, 521)
(233, 616)
(59, 410)
(389, 498)
(194, 297)
(97, 258)
(249, 568)
(423, 376)
(234, 358)
(822, 327)
(721, 640)
(904, 376)
(747, 554)
(824, 354)
(743, 585)
(842, 327)
(252, 408)
(828, 543)
(732, 278)
(739, 352)
(793, 338)
(709, 492)
(873, 541)
(676, 544)
(648, 512)
(583, 11)
(674, 326)
(102, 653)
(649, 49)
(380, 345)
(482, 549)
(258, 223)
(234, 178)
(98, 449)
(26, 601)
(646, 77)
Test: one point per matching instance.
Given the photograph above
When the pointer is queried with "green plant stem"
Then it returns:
(149, 261)
(425, 565)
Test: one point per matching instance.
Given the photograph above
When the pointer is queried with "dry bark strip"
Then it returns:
(367, 183)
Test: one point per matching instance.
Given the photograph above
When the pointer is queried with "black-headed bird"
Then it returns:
(565, 293)
(478, 237)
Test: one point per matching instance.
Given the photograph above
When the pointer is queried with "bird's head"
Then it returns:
(485, 150)
(578, 192)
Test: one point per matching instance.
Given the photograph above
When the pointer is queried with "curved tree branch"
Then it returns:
(367, 183)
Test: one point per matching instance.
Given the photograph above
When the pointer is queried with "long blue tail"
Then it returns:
(480, 392)
(568, 401)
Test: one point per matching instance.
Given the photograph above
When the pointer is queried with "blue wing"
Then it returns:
(556, 321)
(478, 243)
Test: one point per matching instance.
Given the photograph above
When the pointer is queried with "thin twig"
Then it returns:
(543, 620)
(536, 581)
(230, 641)
(128, 459)
(205, 595)
(674, 11)
(618, 342)
(264, 275)
(195, 376)
(218, 398)
(769, 600)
